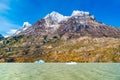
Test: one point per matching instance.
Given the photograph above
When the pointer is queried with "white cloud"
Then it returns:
(6, 25)
(6, 36)
(12, 31)
(4, 8)
(7, 28)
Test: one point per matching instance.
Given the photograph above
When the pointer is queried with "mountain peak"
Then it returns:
(54, 13)
(55, 16)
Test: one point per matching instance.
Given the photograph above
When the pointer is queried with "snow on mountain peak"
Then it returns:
(56, 17)
(25, 26)
(79, 13)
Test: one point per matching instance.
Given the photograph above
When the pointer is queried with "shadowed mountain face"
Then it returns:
(1, 37)
(78, 24)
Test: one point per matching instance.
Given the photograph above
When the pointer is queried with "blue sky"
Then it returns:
(14, 12)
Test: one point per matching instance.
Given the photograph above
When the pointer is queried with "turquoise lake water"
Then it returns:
(59, 71)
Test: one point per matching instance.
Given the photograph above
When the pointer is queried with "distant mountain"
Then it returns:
(80, 23)
(1, 37)
(25, 26)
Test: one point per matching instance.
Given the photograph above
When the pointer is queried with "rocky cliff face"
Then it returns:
(79, 23)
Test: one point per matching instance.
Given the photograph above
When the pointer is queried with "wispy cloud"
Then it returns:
(4, 8)
(7, 26)
(12, 31)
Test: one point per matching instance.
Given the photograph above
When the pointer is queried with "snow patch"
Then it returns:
(12, 31)
(79, 13)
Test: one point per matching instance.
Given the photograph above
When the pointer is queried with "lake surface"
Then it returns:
(59, 71)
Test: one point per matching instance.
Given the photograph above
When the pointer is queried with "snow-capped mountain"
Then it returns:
(55, 17)
(25, 26)
(79, 23)
(80, 37)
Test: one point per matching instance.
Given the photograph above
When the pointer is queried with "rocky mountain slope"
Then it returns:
(57, 38)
